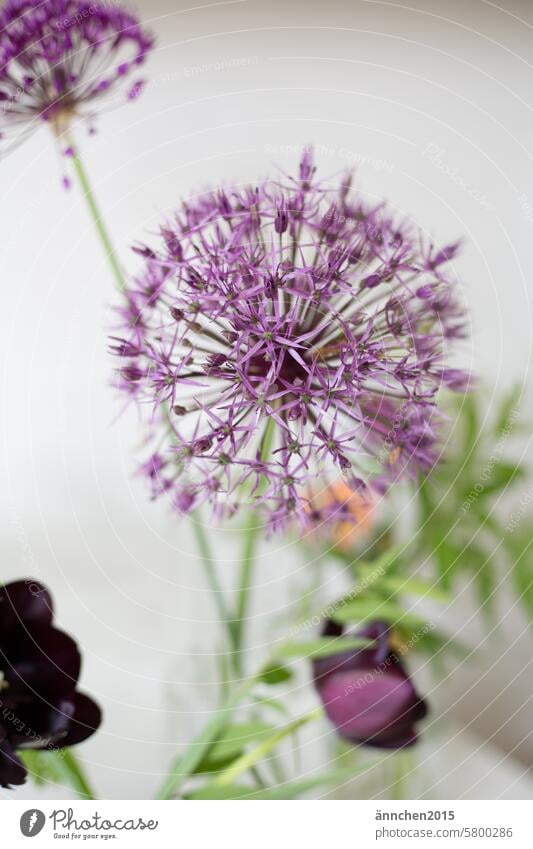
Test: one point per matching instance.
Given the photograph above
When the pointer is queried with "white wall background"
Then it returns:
(434, 102)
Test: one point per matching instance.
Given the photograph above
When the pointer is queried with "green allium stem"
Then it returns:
(96, 215)
(251, 539)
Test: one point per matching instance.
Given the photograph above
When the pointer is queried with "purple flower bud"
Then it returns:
(307, 168)
(185, 500)
(281, 221)
(444, 255)
(144, 250)
(372, 280)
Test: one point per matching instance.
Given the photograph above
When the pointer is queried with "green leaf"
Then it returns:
(231, 744)
(248, 760)
(475, 560)
(425, 501)
(288, 790)
(522, 548)
(393, 584)
(42, 766)
(228, 791)
(274, 704)
(386, 562)
(448, 558)
(502, 475)
(185, 764)
(371, 607)
(470, 418)
(430, 641)
(508, 411)
(323, 647)
(274, 674)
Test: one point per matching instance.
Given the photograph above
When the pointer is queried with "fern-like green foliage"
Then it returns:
(463, 529)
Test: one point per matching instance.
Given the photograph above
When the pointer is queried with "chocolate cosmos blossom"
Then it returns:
(40, 707)
(367, 694)
(294, 303)
(59, 58)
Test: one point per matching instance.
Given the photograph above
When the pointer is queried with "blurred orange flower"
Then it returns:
(345, 515)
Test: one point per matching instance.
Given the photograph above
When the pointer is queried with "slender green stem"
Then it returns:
(96, 215)
(75, 775)
(208, 561)
(401, 763)
(251, 539)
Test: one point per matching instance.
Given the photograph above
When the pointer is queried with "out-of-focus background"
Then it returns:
(433, 102)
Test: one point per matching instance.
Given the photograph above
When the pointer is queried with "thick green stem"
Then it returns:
(75, 775)
(96, 215)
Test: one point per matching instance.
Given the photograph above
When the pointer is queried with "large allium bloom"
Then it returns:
(59, 58)
(295, 303)
(367, 694)
(40, 707)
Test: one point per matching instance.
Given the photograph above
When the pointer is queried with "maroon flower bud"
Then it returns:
(367, 694)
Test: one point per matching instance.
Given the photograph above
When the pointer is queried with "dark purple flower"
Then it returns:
(367, 694)
(40, 707)
(59, 58)
(297, 304)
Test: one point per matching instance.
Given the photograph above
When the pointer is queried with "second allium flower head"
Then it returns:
(58, 58)
(293, 313)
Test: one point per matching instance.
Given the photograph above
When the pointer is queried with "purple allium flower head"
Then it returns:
(58, 58)
(39, 671)
(296, 314)
(367, 694)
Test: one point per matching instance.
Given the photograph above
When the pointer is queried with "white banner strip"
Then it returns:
(268, 825)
